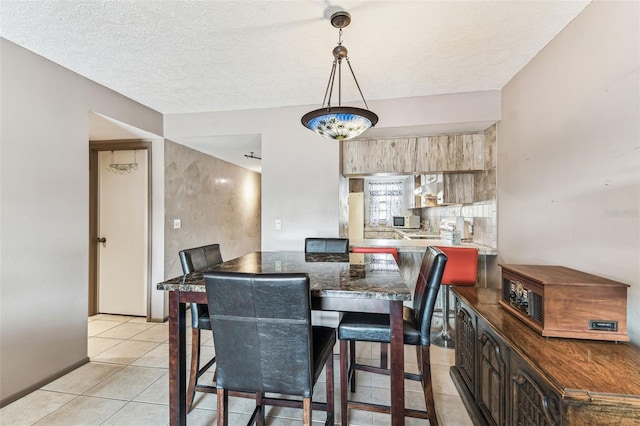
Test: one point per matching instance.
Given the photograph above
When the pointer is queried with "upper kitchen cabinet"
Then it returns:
(453, 153)
(371, 156)
(422, 155)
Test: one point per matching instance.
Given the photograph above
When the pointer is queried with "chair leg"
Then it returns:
(384, 351)
(329, 381)
(427, 384)
(223, 405)
(307, 412)
(344, 345)
(195, 366)
(352, 360)
(260, 418)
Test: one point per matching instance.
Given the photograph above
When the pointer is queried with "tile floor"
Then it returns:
(126, 383)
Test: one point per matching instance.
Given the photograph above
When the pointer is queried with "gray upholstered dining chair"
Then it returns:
(376, 328)
(265, 340)
(194, 260)
(326, 245)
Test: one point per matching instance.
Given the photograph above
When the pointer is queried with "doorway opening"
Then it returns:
(108, 272)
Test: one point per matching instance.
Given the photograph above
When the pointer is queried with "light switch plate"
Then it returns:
(177, 224)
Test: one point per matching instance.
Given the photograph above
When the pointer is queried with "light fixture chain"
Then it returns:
(357, 85)
(339, 82)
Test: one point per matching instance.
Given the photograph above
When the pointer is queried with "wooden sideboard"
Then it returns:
(507, 374)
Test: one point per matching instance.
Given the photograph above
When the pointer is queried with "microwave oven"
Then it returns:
(406, 222)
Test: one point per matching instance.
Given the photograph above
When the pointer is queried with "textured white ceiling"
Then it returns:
(195, 56)
(181, 56)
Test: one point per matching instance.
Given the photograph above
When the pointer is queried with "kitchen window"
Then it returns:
(385, 201)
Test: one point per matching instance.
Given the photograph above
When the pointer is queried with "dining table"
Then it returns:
(353, 282)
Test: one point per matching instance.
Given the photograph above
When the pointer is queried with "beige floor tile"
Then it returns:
(33, 407)
(83, 378)
(155, 333)
(141, 320)
(99, 326)
(83, 410)
(451, 411)
(126, 383)
(126, 352)
(97, 345)
(126, 330)
(95, 317)
(442, 356)
(201, 417)
(139, 413)
(442, 383)
(156, 393)
(117, 318)
(158, 357)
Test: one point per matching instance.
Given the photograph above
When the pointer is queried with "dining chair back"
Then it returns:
(195, 260)
(376, 328)
(326, 245)
(265, 339)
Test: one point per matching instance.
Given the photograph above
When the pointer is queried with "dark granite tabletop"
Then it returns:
(353, 275)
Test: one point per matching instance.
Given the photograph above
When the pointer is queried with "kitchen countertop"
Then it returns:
(419, 245)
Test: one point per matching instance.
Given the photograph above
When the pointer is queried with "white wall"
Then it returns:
(300, 170)
(569, 156)
(44, 178)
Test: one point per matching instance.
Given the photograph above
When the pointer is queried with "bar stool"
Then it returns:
(371, 327)
(194, 260)
(384, 348)
(461, 270)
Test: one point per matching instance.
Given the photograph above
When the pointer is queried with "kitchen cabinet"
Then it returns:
(508, 374)
(428, 154)
(452, 153)
(370, 156)
(458, 188)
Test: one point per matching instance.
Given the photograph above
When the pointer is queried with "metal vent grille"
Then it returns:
(536, 307)
(506, 289)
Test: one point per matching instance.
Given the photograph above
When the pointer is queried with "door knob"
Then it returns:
(102, 240)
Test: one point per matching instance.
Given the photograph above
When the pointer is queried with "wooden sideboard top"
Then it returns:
(578, 369)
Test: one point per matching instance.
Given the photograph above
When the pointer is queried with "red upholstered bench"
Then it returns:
(390, 250)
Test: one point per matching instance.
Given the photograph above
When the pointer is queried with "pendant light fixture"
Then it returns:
(339, 122)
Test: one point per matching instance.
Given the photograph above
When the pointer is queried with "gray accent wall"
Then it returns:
(569, 152)
(216, 202)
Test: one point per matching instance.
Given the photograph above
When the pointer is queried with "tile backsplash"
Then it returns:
(483, 217)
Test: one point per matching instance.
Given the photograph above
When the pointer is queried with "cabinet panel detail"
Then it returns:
(531, 406)
(491, 379)
(465, 344)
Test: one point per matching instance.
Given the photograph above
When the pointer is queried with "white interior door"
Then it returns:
(122, 222)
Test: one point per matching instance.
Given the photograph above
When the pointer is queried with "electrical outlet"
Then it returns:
(278, 224)
(177, 224)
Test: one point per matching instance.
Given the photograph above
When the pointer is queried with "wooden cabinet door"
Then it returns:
(458, 188)
(368, 156)
(492, 375)
(432, 154)
(532, 401)
(468, 151)
(466, 346)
